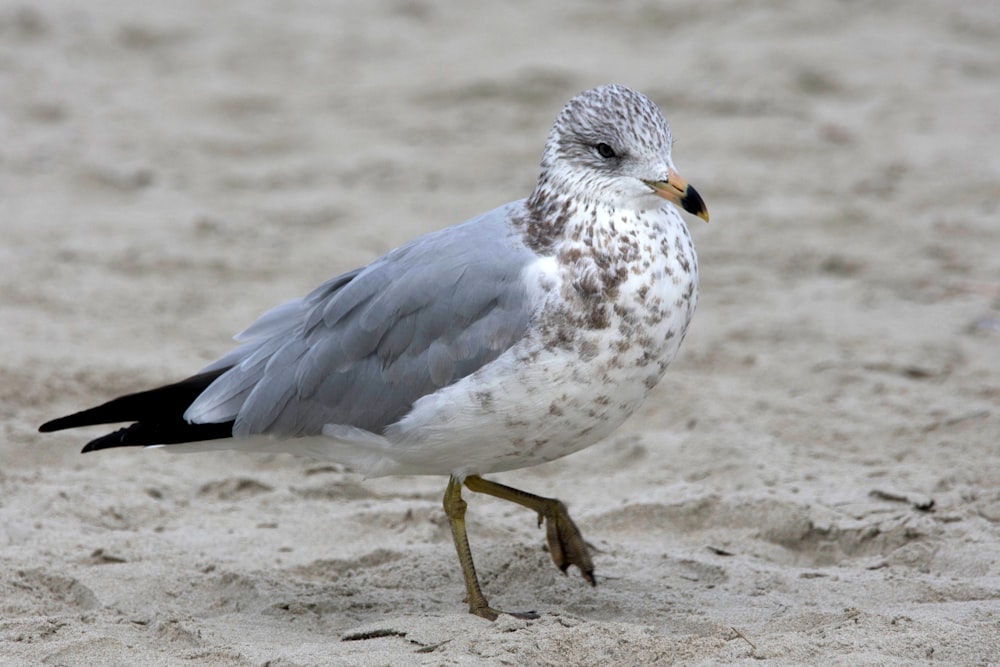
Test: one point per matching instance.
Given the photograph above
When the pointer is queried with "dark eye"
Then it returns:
(605, 151)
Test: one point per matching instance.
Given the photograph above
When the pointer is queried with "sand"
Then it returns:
(816, 481)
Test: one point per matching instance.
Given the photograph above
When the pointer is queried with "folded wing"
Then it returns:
(358, 351)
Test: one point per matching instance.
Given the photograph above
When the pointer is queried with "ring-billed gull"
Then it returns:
(520, 336)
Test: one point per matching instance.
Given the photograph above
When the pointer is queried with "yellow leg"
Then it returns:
(454, 508)
(566, 544)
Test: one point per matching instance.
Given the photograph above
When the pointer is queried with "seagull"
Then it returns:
(518, 337)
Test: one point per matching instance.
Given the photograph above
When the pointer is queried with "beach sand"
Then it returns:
(816, 480)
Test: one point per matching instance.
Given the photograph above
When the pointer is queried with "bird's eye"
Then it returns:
(605, 151)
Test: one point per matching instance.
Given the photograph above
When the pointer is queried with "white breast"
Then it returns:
(610, 316)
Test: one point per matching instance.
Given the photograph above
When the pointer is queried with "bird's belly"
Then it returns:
(552, 394)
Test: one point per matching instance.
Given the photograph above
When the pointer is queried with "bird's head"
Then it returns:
(611, 146)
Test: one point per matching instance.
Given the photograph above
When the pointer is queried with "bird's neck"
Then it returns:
(549, 218)
(553, 220)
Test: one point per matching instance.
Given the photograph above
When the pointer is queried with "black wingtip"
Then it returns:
(119, 438)
(169, 432)
(57, 424)
(108, 413)
(168, 401)
(158, 413)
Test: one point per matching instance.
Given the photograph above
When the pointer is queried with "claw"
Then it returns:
(566, 544)
(454, 508)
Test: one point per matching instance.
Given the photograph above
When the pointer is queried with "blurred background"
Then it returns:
(170, 170)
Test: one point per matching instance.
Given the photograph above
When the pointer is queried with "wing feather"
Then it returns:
(362, 348)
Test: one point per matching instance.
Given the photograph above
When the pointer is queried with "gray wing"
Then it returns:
(361, 348)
